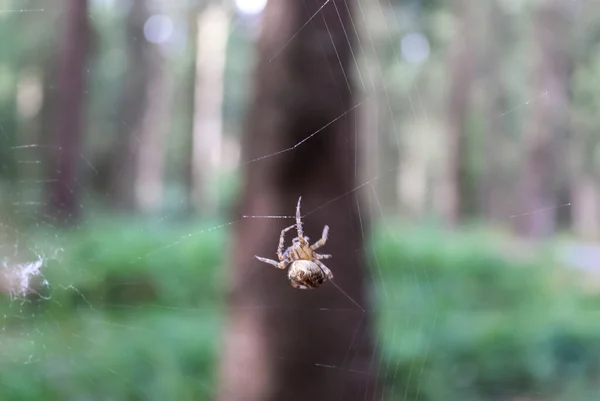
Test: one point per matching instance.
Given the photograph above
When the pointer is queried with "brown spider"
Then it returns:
(306, 271)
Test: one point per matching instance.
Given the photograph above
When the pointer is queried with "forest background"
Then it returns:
(149, 149)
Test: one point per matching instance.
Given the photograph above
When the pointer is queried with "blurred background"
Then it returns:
(149, 149)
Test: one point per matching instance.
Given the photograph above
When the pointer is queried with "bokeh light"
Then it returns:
(250, 7)
(415, 47)
(158, 29)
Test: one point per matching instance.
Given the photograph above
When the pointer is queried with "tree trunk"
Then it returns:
(282, 343)
(8, 135)
(461, 79)
(153, 133)
(213, 34)
(493, 193)
(121, 162)
(63, 202)
(586, 206)
(548, 123)
(8, 105)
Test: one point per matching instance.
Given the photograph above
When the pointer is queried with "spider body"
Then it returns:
(306, 270)
(305, 273)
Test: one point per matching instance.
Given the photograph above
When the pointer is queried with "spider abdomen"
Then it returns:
(307, 273)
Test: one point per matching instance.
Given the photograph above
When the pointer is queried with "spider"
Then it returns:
(306, 270)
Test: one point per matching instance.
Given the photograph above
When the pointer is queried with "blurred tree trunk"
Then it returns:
(121, 161)
(548, 123)
(493, 189)
(135, 165)
(369, 145)
(387, 154)
(8, 104)
(187, 173)
(461, 79)
(278, 338)
(586, 206)
(153, 131)
(379, 136)
(213, 34)
(63, 188)
(8, 132)
(584, 178)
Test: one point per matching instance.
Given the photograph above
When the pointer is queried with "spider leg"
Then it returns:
(323, 239)
(299, 220)
(299, 286)
(281, 241)
(319, 256)
(280, 265)
(324, 268)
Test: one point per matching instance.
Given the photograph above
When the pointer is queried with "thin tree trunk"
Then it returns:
(493, 192)
(8, 105)
(63, 189)
(121, 162)
(187, 169)
(369, 140)
(8, 135)
(153, 131)
(213, 34)
(548, 123)
(136, 163)
(585, 190)
(586, 206)
(461, 79)
(278, 338)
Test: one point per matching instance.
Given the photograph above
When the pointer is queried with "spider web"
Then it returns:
(28, 261)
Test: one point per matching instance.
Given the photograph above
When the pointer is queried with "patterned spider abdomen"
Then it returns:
(306, 273)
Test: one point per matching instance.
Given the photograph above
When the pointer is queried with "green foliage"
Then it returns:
(154, 355)
(114, 263)
(135, 313)
(472, 324)
(132, 312)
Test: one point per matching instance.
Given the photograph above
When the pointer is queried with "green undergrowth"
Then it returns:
(144, 356)
(463, 320)
(134, 311)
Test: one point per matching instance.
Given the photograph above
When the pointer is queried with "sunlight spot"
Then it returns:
(415, 47)
(158, 28)
(250, 7)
